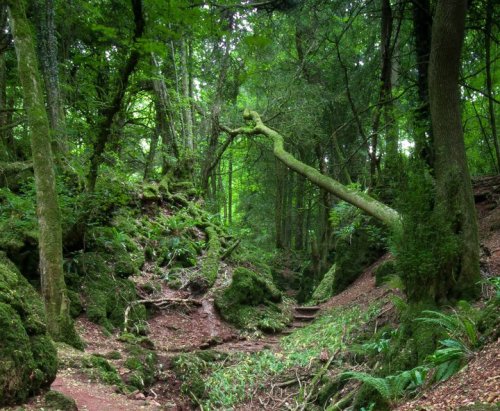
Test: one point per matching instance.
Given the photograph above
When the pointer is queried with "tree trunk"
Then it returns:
(422, 26)
(230, 191)
(299, 206)
(453, 183)
(164, 119)
(278, 207)
(150, 160)
(489, 80)
(47, 50)
(186, 103)
(59, 322)
(111, 108)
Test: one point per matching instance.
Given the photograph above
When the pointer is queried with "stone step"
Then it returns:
(304, 317)
(307, 310)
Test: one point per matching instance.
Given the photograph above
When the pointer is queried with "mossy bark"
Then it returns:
(59, 323)
(453, 183)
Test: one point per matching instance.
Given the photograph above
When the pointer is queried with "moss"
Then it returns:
(368, 397)
(384, 271)
(189, 368)
(210, 265)
(54, 400)
(28, 360)
(16, 358)
(250, 302)
(99, 368)
(113, 355)
(324, 290)
(108, 296)
(142, 363)
(76, 306)
(151, 192)
(487, 323)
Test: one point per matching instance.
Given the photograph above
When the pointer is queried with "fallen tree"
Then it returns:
(363, 201)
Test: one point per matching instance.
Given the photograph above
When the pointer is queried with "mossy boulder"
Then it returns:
(55, 400)
(28, 358)
(252, 302)
(107, 296)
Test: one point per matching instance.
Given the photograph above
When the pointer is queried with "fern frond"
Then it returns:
(381, 385)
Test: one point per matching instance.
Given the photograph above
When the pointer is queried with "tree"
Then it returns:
(59, 323)
(453, 183)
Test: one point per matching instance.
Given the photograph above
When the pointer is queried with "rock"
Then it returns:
(139, 396)
(28, 358)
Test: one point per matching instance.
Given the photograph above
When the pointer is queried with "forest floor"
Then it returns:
(187, 328)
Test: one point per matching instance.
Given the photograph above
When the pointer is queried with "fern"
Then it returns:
(381, 385)
(458, 326)
(394, 386)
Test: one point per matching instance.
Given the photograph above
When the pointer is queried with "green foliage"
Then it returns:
(55, 400)
(419, 265)
(99, 368)
(238, 377)
(392, 387)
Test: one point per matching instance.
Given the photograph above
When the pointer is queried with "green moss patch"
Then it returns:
(55, 400)
(252, 302)
(28, 359)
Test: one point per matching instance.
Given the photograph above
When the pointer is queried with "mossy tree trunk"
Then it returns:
(453, 184)
(113, 106)
(59, 323)
(47, 51)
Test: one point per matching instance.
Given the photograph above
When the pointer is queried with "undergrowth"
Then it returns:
(235, 382)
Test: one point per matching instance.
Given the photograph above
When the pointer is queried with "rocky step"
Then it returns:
(293, 326)
(307, 310)
(304, 317)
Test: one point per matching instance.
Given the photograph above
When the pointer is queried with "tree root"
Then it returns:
(160, 303)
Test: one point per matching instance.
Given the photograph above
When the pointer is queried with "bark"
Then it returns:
(111, 108)
(47, 51)
(453, 183)
(59, 323)
(279, 201)
(186, 104)
(422, 26)
(380, 211)
(299, 206)
(3, 105)
(164, 119)
(153, 144)
(489, 81)
(230, 191)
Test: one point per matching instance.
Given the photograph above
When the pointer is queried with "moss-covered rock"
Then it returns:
(55, 400)
(28, 359)
(100, 369)
(324, 290)
(108, 296)
(251, 302)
